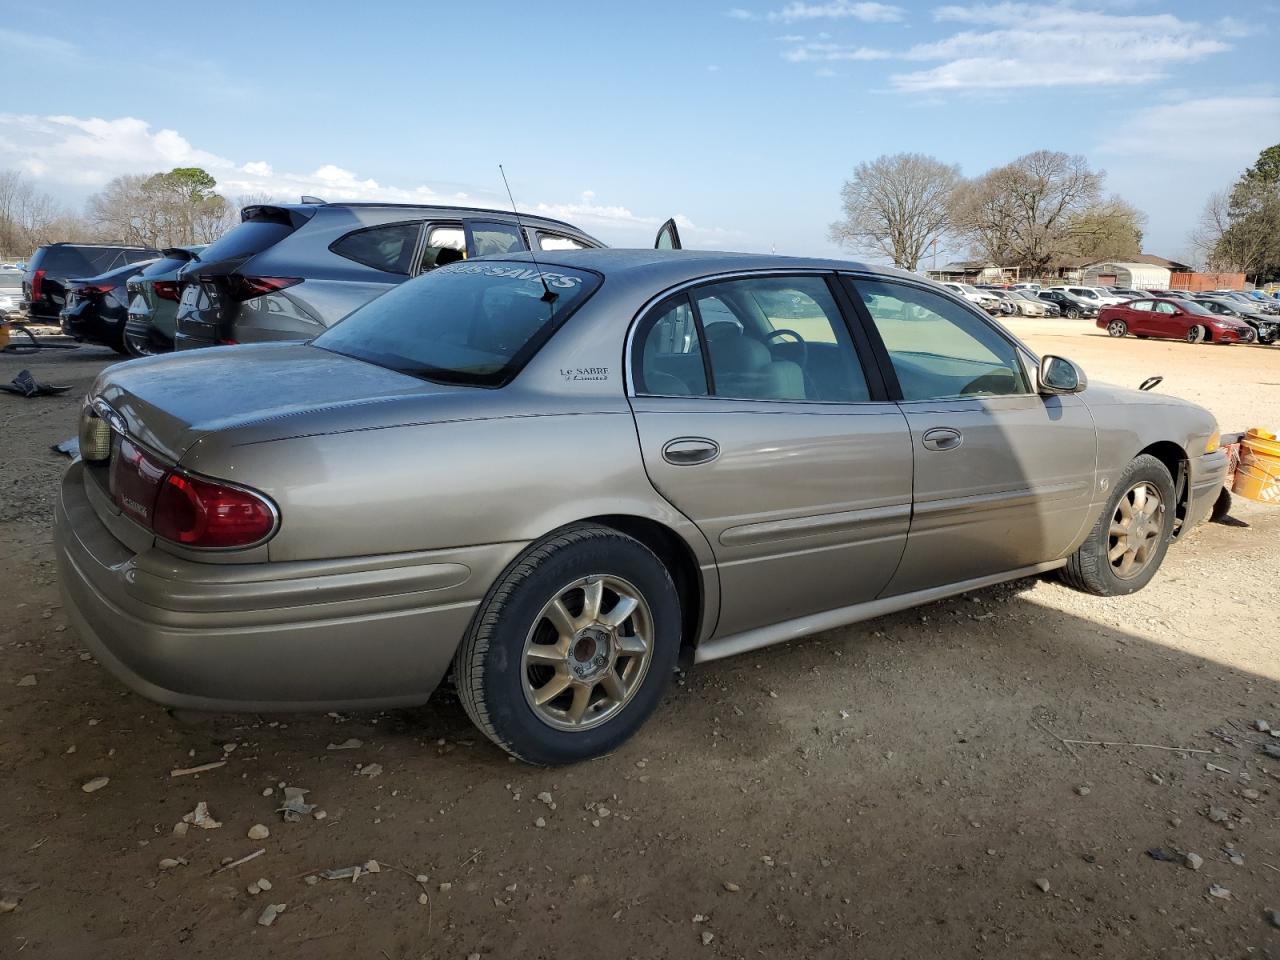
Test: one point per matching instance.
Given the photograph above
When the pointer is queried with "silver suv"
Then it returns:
(289, 271)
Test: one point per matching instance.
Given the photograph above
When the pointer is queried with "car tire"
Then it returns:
(1197, 333)
(1117, 328)
(500, 678)
(135, 346)
(1099, 566)
(1073, 313)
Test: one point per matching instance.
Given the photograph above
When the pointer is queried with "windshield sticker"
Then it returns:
(519, 273)
(585, 373)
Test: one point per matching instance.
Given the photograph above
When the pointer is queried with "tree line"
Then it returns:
(176, 208)
(1038, 212)
(1239, 230)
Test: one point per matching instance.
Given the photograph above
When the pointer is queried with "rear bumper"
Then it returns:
(362, 632)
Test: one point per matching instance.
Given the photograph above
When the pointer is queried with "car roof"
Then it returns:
(435, 208)
(675, 266)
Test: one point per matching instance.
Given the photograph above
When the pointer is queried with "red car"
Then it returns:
(1173, 319)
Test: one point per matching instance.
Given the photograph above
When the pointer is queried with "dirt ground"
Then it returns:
(896, 789)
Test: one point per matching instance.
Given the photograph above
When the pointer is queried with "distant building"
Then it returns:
(1129, 274)
(973, 271)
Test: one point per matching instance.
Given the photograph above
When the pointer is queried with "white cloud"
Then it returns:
(1053, 45)
(71, 157)
(826, 52)
(866, 11)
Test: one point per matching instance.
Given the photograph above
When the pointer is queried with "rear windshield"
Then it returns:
(165, 265)
(473, 323)
(246, 240)
(76, 261)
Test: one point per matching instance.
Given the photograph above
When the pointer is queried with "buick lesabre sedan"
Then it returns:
(555, 478)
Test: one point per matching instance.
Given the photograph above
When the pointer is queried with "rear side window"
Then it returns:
(469, 323)
(556, 241)
(671, 363)
(446, 244)
(246, 240)
(388, 248)
(494, 239)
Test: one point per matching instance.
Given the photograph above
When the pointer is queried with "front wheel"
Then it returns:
(1127, 544)
(1197, 333)
(1117, 328)
(572, 648)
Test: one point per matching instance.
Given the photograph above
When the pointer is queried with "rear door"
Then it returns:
(1004, 477)
(761, 418)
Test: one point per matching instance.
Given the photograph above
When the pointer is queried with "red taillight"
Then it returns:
(37, 286)
(246, 288)
(202, 513)
(166, 289)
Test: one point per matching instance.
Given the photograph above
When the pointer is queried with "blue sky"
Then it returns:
(742, 117)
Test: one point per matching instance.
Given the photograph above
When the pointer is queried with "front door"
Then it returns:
(757, 421)
(1137, 316)
(668, 237)
(1004, 477)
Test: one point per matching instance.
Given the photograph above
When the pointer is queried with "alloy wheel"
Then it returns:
(587, 653)
(1136, 528)
(1117, 328)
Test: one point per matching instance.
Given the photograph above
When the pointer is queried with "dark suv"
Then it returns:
(289, 271)
(44, 285)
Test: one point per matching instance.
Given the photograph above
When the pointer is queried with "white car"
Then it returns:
(979, 298)
(10, 292)
(1095, 295)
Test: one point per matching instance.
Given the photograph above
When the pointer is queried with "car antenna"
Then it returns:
(547, 295)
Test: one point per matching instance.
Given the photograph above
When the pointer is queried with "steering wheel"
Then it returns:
(804, 347)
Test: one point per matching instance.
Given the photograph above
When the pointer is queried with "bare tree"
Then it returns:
(1213, 223)
(1021, 214)
(896, 206)
(159, 210)
(231, 212)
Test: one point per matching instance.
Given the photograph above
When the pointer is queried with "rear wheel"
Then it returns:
(1073, 313)
(1127, 544)
(1197, 334)
(1117, 328)
(571, 650)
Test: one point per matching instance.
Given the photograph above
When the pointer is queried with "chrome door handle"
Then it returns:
(688, 451)
(942, 438)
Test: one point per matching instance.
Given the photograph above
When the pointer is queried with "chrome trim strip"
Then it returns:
(719, 647)
(772, 531)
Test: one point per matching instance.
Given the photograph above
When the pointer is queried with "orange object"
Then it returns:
(1258, 476)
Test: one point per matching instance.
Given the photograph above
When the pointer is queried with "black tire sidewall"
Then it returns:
(509, 712)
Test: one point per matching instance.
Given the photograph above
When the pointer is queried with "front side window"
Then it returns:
(388, 248)
(470, 323)
(556, 241)
(446, 244)
(940, 350)
(495, 239)
(1164, 307)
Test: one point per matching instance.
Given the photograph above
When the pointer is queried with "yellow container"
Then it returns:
(1258, 476)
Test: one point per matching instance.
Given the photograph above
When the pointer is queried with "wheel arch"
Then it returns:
(1177, 462)
(697, 613)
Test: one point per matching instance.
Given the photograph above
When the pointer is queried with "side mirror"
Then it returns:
(1058, 375)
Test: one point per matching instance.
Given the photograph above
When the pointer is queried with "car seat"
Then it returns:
(745, 368)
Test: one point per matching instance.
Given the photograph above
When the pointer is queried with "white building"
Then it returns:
(1132, 276)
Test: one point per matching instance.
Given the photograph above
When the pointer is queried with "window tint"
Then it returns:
(491, 239)
(938, 348)
(446, 244)
(1144, 305)
(778, 338)
(670, 362)
(388, 248)
(1163, 307)
(555, 241)
(470, 323)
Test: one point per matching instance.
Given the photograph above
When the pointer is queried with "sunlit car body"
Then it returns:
(1170, 319)
(1266, 326)
(96, 308)
(554, 477)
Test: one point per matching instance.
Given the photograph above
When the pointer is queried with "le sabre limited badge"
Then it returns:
(585, 373)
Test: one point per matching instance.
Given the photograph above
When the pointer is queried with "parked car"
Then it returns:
(1033, 287)
(1071, 307)
(1266, 327)
(1174, 319)
(1092, 295)
(10, 293)
(983, 299)
(51, 266)
(340, 523)
(96, 308)
(287, 272)
(1255, 300)
(1008, 302)
(1127, 292)
(1172, 294)
(153, 298)
(1029, 304)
